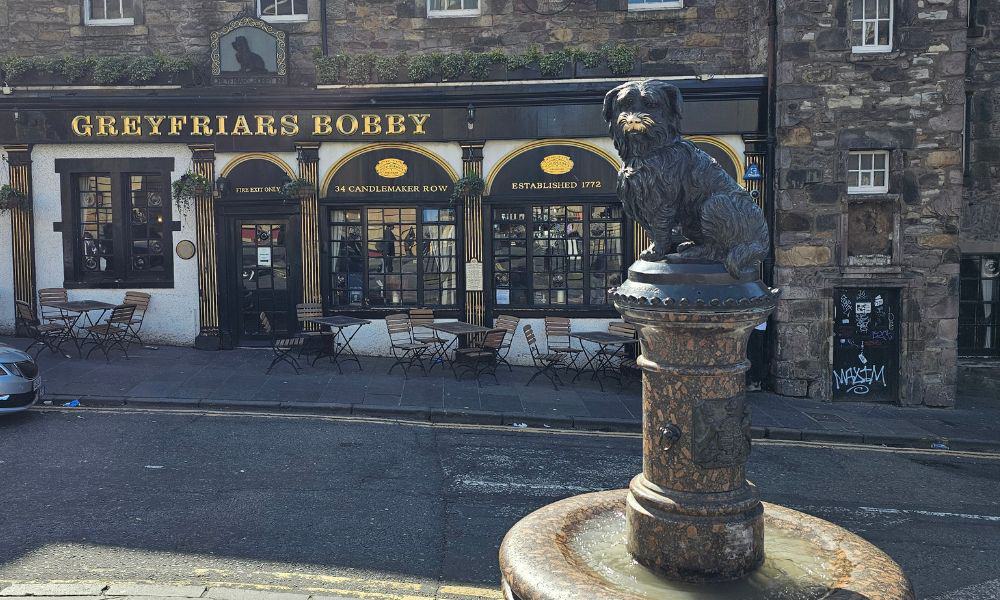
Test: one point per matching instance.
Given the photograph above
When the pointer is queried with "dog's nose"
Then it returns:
(631, 122)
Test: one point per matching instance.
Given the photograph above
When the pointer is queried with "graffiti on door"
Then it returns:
(866, 344)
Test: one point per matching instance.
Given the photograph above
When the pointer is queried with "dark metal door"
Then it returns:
(266, 281)
(866, 344)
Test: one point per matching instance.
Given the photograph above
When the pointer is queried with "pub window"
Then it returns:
(393, 256)
(653, 4)
(871, 25)
(979, 306)
(117, 228)
(108, 12)
(868, 172)
(283, 10)
(557, 255)
(453, 8)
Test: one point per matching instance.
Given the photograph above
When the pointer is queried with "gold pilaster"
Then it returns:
(472, 164)
(308, 157)
(203, 158)
(22, 229)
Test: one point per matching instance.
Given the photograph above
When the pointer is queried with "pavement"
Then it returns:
(227, 503)
(184, 378)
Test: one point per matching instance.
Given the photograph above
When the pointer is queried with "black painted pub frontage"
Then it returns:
(533, 229)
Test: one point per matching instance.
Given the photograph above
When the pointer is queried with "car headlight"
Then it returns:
(9, 369)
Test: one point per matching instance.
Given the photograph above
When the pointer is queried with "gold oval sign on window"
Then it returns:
(390, 168)
(557, 164)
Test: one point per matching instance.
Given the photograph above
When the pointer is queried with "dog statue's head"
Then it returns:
(643, 116)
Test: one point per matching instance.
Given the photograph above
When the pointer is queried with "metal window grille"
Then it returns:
(979, 305)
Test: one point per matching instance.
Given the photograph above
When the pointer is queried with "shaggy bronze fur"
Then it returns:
(667, 182)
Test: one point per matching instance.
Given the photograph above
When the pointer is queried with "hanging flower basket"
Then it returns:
(188, 187)
(298, 189)
(11, 198)
(469, 186)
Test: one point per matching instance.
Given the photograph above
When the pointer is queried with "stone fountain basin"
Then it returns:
(575, 549)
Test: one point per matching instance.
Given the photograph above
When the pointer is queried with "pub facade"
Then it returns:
(453, 155)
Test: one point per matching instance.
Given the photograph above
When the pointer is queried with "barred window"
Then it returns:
(393, 256)
(108, 12)
(871, 25)
(979, 306)
(452, 8)
(557, 255)
(283, 10)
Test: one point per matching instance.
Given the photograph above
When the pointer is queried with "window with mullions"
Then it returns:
(130, 246)
(557, 255)
(283, 10)
(452, 8)
(871, 25)
(393, 256)
(979, 306)
(108, 12)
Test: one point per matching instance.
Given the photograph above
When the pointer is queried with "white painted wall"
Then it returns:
(173, 313)
(6, 265)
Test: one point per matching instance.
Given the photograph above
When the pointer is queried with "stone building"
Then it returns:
(846, 119)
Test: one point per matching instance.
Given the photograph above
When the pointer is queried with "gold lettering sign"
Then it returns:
(319, 125)
(557, 164)
(391, 168)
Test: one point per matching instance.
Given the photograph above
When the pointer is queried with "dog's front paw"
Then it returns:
(653, 253)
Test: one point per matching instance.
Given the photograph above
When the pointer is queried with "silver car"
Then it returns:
(20, 383)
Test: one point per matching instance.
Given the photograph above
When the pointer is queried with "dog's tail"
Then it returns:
(742, 256)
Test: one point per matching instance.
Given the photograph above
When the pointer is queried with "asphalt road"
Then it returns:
(410, 510)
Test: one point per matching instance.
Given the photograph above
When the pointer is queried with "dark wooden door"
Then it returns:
(866, 344)
(264, 275)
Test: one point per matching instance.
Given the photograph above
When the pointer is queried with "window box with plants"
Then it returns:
(154, 69)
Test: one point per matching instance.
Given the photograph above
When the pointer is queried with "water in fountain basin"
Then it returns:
(793, 569)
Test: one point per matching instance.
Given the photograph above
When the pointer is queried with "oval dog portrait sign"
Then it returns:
(557, 164)
(390, 168)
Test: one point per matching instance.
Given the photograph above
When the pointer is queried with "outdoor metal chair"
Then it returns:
(140, 300)
(405, 350)
(420, 318)
(558, 340)
(45, 335)
(282, 347)
(622, 357)
(508, 323)
(482, 359)
(313, 341)
(50, 314)
(546, 363)
(112, 333)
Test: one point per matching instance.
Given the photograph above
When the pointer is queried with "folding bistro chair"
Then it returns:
(420, 318)
(545, 363)
(558, 340)
(313, 341)
(483, 359)
(45, 335)
(140, 300)
(405, 349)
(282, 347)
(54, 315)
(113, 333)
(509, 323)
(622, 357)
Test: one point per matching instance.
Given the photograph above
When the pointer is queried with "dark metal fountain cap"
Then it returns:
(691, 286)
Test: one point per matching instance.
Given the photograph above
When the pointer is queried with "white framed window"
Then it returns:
(654, 4)
(868, 172)
(871, 25)
(283, 10)
(453, 8)
(108, 12)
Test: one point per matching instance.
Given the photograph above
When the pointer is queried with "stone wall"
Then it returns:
(981, 215)
(705, 36)
(909, 101)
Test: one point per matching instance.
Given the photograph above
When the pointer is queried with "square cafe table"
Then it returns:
(78, 332)
(602, 359)
(460, 330)
(333, 350)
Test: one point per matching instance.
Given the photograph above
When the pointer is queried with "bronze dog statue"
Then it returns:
(666, 181)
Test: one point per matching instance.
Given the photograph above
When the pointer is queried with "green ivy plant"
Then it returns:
(523, 61)
(189, 186)
(422, 67)
(553, 63)
(452, 66)
(11, 198)
(387, 68)
(478, 65)
(468, 186)
(298, 188)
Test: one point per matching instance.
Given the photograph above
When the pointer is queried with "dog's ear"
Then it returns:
(609, 102)
(672, 102)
